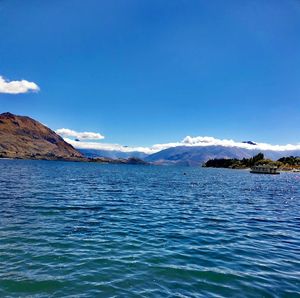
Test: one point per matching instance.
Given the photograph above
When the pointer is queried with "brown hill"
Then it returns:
(25, 138)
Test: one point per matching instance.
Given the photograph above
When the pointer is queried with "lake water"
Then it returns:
(85, 230)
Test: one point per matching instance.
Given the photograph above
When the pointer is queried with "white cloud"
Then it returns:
(17, 87)
(187, 141)
(65, 132)
(106, 146)
(210, 141)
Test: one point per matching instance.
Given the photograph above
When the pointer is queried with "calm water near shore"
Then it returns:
(86, 229)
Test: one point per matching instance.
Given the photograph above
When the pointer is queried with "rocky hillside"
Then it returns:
(25, 138)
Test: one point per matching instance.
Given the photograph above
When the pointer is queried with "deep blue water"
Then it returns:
(86, 230)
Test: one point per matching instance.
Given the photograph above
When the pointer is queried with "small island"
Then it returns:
(290, 163)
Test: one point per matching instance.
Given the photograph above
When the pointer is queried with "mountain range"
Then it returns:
(195, 156)
(190, 155)
(114, 154)
(26, 138)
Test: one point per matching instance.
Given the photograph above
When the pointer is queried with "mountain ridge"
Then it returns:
(25, 138)
(22, 137)
(197, 155)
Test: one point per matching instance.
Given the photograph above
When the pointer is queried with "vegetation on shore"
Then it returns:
(284, 163)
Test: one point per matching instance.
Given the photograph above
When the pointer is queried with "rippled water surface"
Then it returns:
(86, 230)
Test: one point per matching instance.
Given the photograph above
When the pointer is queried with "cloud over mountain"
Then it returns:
(17, 87)
(106, 146)
(188, 141)
(211, 141)
(66, 133)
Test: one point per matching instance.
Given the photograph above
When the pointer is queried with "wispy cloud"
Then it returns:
(17, 87)
(67, 133)
(188, 141)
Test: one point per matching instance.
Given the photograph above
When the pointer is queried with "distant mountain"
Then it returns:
(25, 138)
(249, 143)
(195, 156)
(114, 154)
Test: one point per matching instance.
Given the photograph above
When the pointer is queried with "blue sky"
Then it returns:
(147, 72)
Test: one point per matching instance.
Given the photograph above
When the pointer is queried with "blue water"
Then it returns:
(91, 230)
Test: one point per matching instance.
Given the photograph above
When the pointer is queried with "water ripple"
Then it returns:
(84, 230)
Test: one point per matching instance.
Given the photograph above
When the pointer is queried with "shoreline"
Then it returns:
(100, 160)
(248, 169)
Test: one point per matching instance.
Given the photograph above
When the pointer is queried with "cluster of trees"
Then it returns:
(291, 160)
(221, 163)
(235, 163)
(259, 159)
